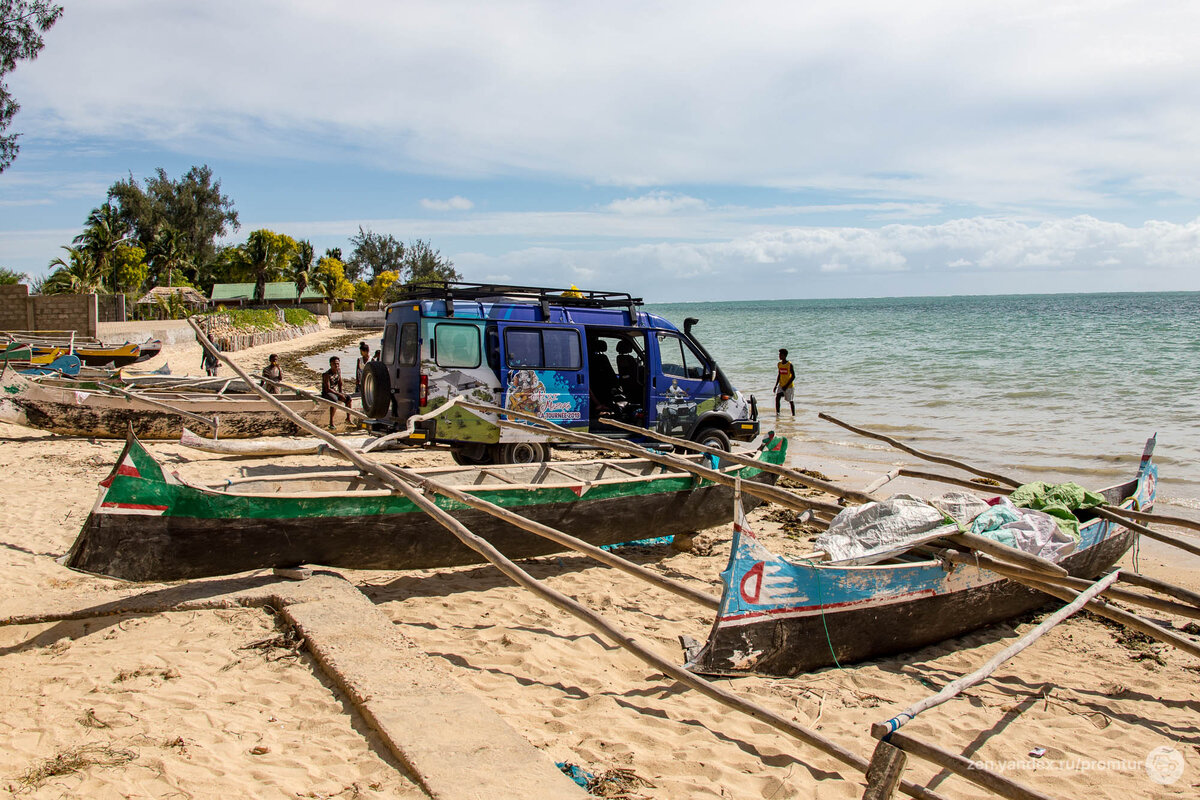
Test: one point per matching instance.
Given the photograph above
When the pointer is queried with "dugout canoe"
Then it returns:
(784, 618)
(151, 525)
(93, 409)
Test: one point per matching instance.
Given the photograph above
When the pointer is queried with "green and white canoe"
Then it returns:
(151, 525)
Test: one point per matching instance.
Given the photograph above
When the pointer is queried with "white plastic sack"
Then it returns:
(868, 533)
(1032, 531)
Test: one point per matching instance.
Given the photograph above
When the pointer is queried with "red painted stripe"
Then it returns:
(140, 506)
(830, 606)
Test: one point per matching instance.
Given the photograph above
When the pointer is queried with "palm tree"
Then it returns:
(302, 266)
(102, 232)
(77, 274)
(168, 252)
(261, 260)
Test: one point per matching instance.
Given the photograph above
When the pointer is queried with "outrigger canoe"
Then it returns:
(783, 618)
(151, 525)
(89, 408)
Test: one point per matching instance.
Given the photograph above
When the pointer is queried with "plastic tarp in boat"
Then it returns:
(873, 531)
(1026, 529)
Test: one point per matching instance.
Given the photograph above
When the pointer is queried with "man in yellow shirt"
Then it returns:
(785, 382)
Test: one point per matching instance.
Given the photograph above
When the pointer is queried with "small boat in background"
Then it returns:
(781, 617)
(151, 525)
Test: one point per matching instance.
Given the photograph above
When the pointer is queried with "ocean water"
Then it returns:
(1037, 386)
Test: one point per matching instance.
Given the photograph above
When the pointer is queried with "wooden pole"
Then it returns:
(316, 398)
(918, 453)
(884, 771)
(963, 482)
(568, 604)
(965, 768)
(1099, 607)
(1077, 584)
(1162, 587)
(1161, 519)
(1105, 513)
(771, 494)
(877, 484)
(881, 729)
(737, 458)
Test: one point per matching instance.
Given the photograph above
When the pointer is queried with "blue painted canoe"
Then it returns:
(779, 617)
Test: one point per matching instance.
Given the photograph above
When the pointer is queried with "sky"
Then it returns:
(675, 150)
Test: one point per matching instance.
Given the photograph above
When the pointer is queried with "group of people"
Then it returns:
(332, 385)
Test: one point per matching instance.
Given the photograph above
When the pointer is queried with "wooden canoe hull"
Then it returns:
(82, 412)
(859, 613)
(151, 529)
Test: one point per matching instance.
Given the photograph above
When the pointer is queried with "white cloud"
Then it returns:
(1029, 104)
(656, 203)
(455, 203)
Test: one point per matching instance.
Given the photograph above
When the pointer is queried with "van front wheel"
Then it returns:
(522, 453)
(714, 438)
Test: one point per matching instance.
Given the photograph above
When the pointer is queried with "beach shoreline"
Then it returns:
(187, 694)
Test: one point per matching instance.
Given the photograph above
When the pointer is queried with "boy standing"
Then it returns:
(785, 382)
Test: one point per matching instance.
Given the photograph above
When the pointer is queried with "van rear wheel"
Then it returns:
(714, 438)
(478, 455)
(522, 453)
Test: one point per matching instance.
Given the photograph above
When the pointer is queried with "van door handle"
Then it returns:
(579, 379)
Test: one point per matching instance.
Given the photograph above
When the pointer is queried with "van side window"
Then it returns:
(388, 348)
(408, 344)
(456, 345)
(678, 358)
(542, 349)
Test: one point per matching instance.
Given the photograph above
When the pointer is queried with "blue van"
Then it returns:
(572, 356)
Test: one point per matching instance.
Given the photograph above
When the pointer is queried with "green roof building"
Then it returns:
(278, 292)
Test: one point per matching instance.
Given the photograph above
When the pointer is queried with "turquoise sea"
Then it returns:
(1057, 386)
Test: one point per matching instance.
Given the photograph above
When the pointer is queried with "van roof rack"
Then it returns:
(459, 290)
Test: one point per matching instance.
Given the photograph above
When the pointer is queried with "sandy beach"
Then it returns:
(220, 704)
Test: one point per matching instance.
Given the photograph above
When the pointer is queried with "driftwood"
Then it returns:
(881, 729)
(918, 453)
(884, 772)
(571, 606)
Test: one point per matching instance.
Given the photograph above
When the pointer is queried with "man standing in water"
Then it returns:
(785, 382)
(332, 388)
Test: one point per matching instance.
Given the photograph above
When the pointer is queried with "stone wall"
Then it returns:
(19, 311)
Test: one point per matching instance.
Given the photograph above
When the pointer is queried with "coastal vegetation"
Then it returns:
(172, 232)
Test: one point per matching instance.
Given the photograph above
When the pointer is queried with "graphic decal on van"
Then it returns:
(528, 393)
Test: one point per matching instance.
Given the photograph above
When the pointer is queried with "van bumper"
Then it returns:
(743, 430)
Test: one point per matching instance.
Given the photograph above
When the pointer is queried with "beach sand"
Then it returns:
(214, 704)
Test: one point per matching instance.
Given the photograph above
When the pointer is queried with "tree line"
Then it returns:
(164, 232)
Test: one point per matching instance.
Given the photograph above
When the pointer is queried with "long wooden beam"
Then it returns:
(796, 475)
(951, 690)
(965, 768)
(165, 407)
(570, 605)
(919, 453)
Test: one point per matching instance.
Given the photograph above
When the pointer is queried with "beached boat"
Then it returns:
(95, 409)
(779, 617)
(151, 525)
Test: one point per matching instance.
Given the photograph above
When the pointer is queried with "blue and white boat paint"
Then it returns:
(779, 617)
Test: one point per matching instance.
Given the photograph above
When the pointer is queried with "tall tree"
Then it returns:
(10, 276)
(102, 234)
(192, 205)
(76, 274)
(22, 23)
(266, 253)
(302, 265)
(374, 253)
(167, 253)
(426, 264)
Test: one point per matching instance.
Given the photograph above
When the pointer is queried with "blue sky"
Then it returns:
(680, 151)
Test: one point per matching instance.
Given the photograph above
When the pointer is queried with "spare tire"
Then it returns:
(376, 390)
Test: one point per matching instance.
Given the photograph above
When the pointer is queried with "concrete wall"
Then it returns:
(358, 319)
(56, 312)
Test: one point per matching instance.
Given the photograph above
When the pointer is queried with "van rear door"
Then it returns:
(401, 352)
(543, 372)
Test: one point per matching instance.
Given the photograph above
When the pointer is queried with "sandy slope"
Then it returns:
(182, 693)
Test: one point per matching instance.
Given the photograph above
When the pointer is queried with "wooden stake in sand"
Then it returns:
(567, 604)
